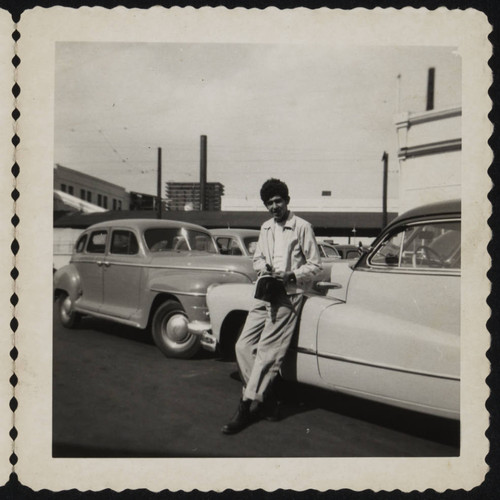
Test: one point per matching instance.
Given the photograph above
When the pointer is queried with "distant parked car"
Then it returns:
(349, 251)
(236, 241)
(328, 252)
(390, 332)
(145, 272)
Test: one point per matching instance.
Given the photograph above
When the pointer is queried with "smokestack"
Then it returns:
(430, 89)
(158, 193)
(203, 171)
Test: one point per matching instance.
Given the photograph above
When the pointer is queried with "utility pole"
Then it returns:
(203, 172)
(431, 75)
(385, 159)
(158, 194)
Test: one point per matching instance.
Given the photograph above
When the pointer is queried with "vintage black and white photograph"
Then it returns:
(161, 151)
(257, 248)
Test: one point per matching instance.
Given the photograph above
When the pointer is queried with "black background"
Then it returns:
(490, 489)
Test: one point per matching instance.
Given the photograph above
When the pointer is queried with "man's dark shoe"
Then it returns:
(269, 409)
(241, 419)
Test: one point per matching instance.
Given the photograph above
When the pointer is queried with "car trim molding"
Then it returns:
(303, 350)
(158, 266)
(177, 292)
(193, 268)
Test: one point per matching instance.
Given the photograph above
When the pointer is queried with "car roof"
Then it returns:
(143, 224)
(438, 209)
(224, 231)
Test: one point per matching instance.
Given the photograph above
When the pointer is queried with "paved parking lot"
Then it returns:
(116, 395)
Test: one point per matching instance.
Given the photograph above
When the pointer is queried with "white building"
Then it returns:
(429, 156)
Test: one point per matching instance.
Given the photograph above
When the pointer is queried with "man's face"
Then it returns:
(278, 207)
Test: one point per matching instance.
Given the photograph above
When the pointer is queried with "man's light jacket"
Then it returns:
(301, 251)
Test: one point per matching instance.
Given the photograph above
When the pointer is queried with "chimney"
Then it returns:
(430, 89)
(203, 171)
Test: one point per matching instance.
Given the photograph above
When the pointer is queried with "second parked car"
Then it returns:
(146, 273)
(236, 241)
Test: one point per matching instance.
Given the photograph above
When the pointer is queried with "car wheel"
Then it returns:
(170, 331)
(68, 317)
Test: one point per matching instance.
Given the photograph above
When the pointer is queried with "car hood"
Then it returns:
(205, 260)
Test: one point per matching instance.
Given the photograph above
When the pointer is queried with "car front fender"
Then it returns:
(67, 279)
(191, 282)
(226, 298)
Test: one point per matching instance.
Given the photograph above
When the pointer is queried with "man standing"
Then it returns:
(286, 248)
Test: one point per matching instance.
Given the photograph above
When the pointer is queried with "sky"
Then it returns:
(318, 117)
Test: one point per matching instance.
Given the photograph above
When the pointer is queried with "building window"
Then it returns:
(99, 200)
(70, 190)
(114, 204)
(63, 188)
(89, 196)
(82, 194)
(119, 204)
(326, 193)
(105, 202)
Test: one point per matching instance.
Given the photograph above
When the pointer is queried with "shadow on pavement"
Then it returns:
(295, 398)
(65, 450)
(299, 398)
(127, 333)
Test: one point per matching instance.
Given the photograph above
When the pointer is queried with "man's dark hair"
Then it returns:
(274, 187)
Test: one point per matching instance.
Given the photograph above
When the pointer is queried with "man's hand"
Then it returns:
(289, 278)
(267, 271)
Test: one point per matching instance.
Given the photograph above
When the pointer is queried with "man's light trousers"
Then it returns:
(263, 343)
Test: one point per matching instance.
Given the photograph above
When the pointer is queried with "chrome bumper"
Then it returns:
(202, 329)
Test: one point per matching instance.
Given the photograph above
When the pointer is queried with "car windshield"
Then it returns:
(161, 239)
(329, 251)
(251, 244)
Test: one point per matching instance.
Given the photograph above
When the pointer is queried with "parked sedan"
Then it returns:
(144, 272)
(349, 252)
(236, 241)
(391, 333)
(328, 252)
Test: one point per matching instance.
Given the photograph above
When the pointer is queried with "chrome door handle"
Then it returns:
(106, 263)
(99, 263)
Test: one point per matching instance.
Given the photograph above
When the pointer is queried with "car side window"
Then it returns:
(433, 245)
(80, 244)
(223, 244)
(330, 252)
(124, 243)
(97, 242)
(235, 248)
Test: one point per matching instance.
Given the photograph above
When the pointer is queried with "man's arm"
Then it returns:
(312, 265)
(259, 259)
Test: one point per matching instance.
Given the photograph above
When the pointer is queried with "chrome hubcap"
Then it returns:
(175, 329)
(66, 307)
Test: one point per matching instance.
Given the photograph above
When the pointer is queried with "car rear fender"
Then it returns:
(67, 280)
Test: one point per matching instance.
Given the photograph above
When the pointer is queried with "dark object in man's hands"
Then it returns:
(268, 288)
(289, 278)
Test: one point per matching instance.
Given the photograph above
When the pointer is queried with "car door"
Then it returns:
(396, 337)
(123, 271)
(90, 269)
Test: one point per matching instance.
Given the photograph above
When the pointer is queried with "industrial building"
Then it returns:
(429, 154)
(91, 189)
(187, 196)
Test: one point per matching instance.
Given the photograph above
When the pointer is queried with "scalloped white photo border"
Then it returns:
(40, 30)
